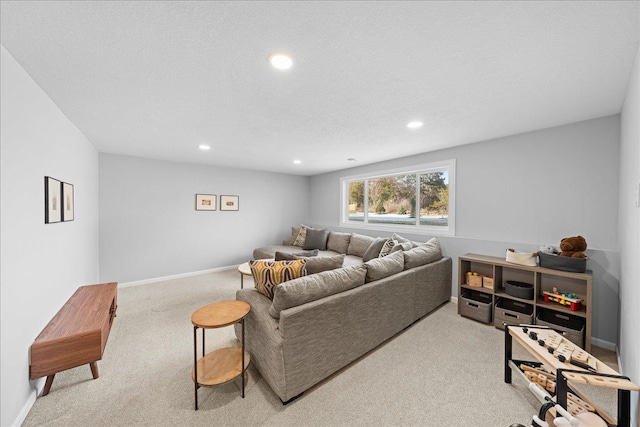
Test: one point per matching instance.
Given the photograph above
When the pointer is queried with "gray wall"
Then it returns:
(149, 227)
(41, 264)
(630, 234)
(522, 191)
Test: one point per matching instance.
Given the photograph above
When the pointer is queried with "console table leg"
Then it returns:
(242, 366)
(47, 384)
(508, 354)
(195, 364)
(94, 370)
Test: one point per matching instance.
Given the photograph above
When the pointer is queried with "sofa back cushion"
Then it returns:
(359, 244)
(401, 239)
(379, 268)
(338, 242)
(423, 254)
(324, 263)
(269, 274)
(310, 288)
(401, 247)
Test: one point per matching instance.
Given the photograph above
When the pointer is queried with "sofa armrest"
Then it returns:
(263, 339)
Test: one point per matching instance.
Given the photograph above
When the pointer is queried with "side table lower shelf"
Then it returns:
(220, 366)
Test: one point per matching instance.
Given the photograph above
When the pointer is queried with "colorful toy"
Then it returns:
(564, 298)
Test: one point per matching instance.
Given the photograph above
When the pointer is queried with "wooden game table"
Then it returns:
(568, 373)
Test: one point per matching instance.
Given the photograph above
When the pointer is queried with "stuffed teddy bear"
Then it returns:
(573, 247)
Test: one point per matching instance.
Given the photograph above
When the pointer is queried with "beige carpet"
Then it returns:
(443, 371)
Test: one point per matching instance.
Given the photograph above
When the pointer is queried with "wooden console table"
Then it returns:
(77, 334)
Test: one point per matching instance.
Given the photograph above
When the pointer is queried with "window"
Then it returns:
(419, 199)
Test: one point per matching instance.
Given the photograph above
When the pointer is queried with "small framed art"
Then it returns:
(67, 201)
(229, 203)
(52, 202)
(206, 202)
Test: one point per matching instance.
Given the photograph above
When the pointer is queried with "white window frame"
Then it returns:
(445, 165)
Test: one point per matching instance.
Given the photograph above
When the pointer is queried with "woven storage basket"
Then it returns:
(476, 305)
(571, 327)
(563, 263)
(522, 258)
(512, 313)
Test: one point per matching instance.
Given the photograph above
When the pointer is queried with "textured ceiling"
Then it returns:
(155, 79)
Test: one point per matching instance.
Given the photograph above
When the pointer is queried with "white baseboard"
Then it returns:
(454, 300)
(37, 391)
(175, 276)
(604, 344)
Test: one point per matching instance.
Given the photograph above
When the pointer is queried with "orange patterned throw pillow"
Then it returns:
(269, 274)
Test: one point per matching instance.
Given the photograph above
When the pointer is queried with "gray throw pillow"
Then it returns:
(359, 244)
(379, 268)
(373, 251)
(423, 254)
(338, 242)
(316, 239)
(297, 292)
(324, 263)
(286, 256)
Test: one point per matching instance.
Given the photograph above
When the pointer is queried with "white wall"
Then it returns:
(522, 191)
(630, 234)
(149, 227)
(41, 265)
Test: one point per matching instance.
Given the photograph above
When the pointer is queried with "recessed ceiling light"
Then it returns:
(204, 147)
(297, 162)
(414, 125)
(280, 60)
(351, 159)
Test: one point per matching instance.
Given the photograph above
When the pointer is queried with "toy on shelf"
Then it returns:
(474, 279)
(564, 298)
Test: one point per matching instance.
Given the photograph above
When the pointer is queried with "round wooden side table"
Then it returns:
(225, 364)
(244, 270)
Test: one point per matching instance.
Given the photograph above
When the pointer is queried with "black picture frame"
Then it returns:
(52, 200)
(229, 203)
(68, 202)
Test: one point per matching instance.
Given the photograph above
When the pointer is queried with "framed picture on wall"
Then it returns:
(67, 201)
(229, 203)
(206, 202)
(52, 200)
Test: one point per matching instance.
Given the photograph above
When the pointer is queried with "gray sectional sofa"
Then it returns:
(321, 322)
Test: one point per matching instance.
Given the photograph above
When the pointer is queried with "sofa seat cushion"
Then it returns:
(269, 274)
(338, 242)
(269, 252)
(424, 254)
(359, 244)
(379, 268)
(286, 256)
(310, 288)
(351, 260)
